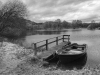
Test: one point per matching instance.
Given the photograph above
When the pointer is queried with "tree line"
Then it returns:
(58, 24)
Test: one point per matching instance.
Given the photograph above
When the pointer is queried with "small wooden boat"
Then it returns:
(71, 52)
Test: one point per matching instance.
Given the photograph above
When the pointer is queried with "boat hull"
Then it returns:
(69, 58)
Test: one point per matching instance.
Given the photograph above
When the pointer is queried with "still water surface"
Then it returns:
(90, 37)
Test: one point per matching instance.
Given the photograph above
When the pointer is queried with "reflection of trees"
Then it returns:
(46, 32)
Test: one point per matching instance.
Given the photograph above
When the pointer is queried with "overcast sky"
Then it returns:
(49, 10)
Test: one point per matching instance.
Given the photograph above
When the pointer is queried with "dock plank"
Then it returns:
(52, 50)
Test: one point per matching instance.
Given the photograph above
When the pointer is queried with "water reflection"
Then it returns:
(48, 32)
(76, 30)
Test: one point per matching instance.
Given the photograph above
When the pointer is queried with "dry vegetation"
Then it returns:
(16, 60)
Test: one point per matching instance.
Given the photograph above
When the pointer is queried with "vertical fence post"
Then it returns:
(63, 38)
(56, 40)
(34, 47)
(68, 38)
(46, 44)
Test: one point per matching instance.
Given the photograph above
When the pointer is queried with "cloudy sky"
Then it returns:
(50, 10)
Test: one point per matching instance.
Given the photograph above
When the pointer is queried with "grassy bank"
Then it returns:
(16, 60)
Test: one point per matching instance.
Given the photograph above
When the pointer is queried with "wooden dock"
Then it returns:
(64, 38)
(52, 50)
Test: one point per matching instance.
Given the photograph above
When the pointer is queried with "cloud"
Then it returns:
(65, 9)
(44, 10)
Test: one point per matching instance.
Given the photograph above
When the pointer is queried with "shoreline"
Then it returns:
(31, 65)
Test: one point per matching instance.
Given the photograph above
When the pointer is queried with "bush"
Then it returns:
(12, 22)
(13, 33)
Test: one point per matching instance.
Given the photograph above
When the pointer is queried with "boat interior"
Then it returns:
(72, 49)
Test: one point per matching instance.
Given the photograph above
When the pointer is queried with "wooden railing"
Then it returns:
(57, 39)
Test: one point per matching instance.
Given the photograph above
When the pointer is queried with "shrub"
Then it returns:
(12, 22)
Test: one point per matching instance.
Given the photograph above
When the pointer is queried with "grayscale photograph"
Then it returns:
(49, 37)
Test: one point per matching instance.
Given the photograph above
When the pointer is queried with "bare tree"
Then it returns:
(12, 16)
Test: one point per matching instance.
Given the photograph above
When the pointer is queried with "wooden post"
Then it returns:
(34, 48)
(46, 44)
(63, 38)
(68, 38)
(56, 40)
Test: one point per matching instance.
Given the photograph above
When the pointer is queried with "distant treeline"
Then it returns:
(58, 24)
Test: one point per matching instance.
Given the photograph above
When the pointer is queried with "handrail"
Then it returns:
(47, 42)
(48, 39)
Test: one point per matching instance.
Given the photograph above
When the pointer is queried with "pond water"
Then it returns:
(90, 37)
